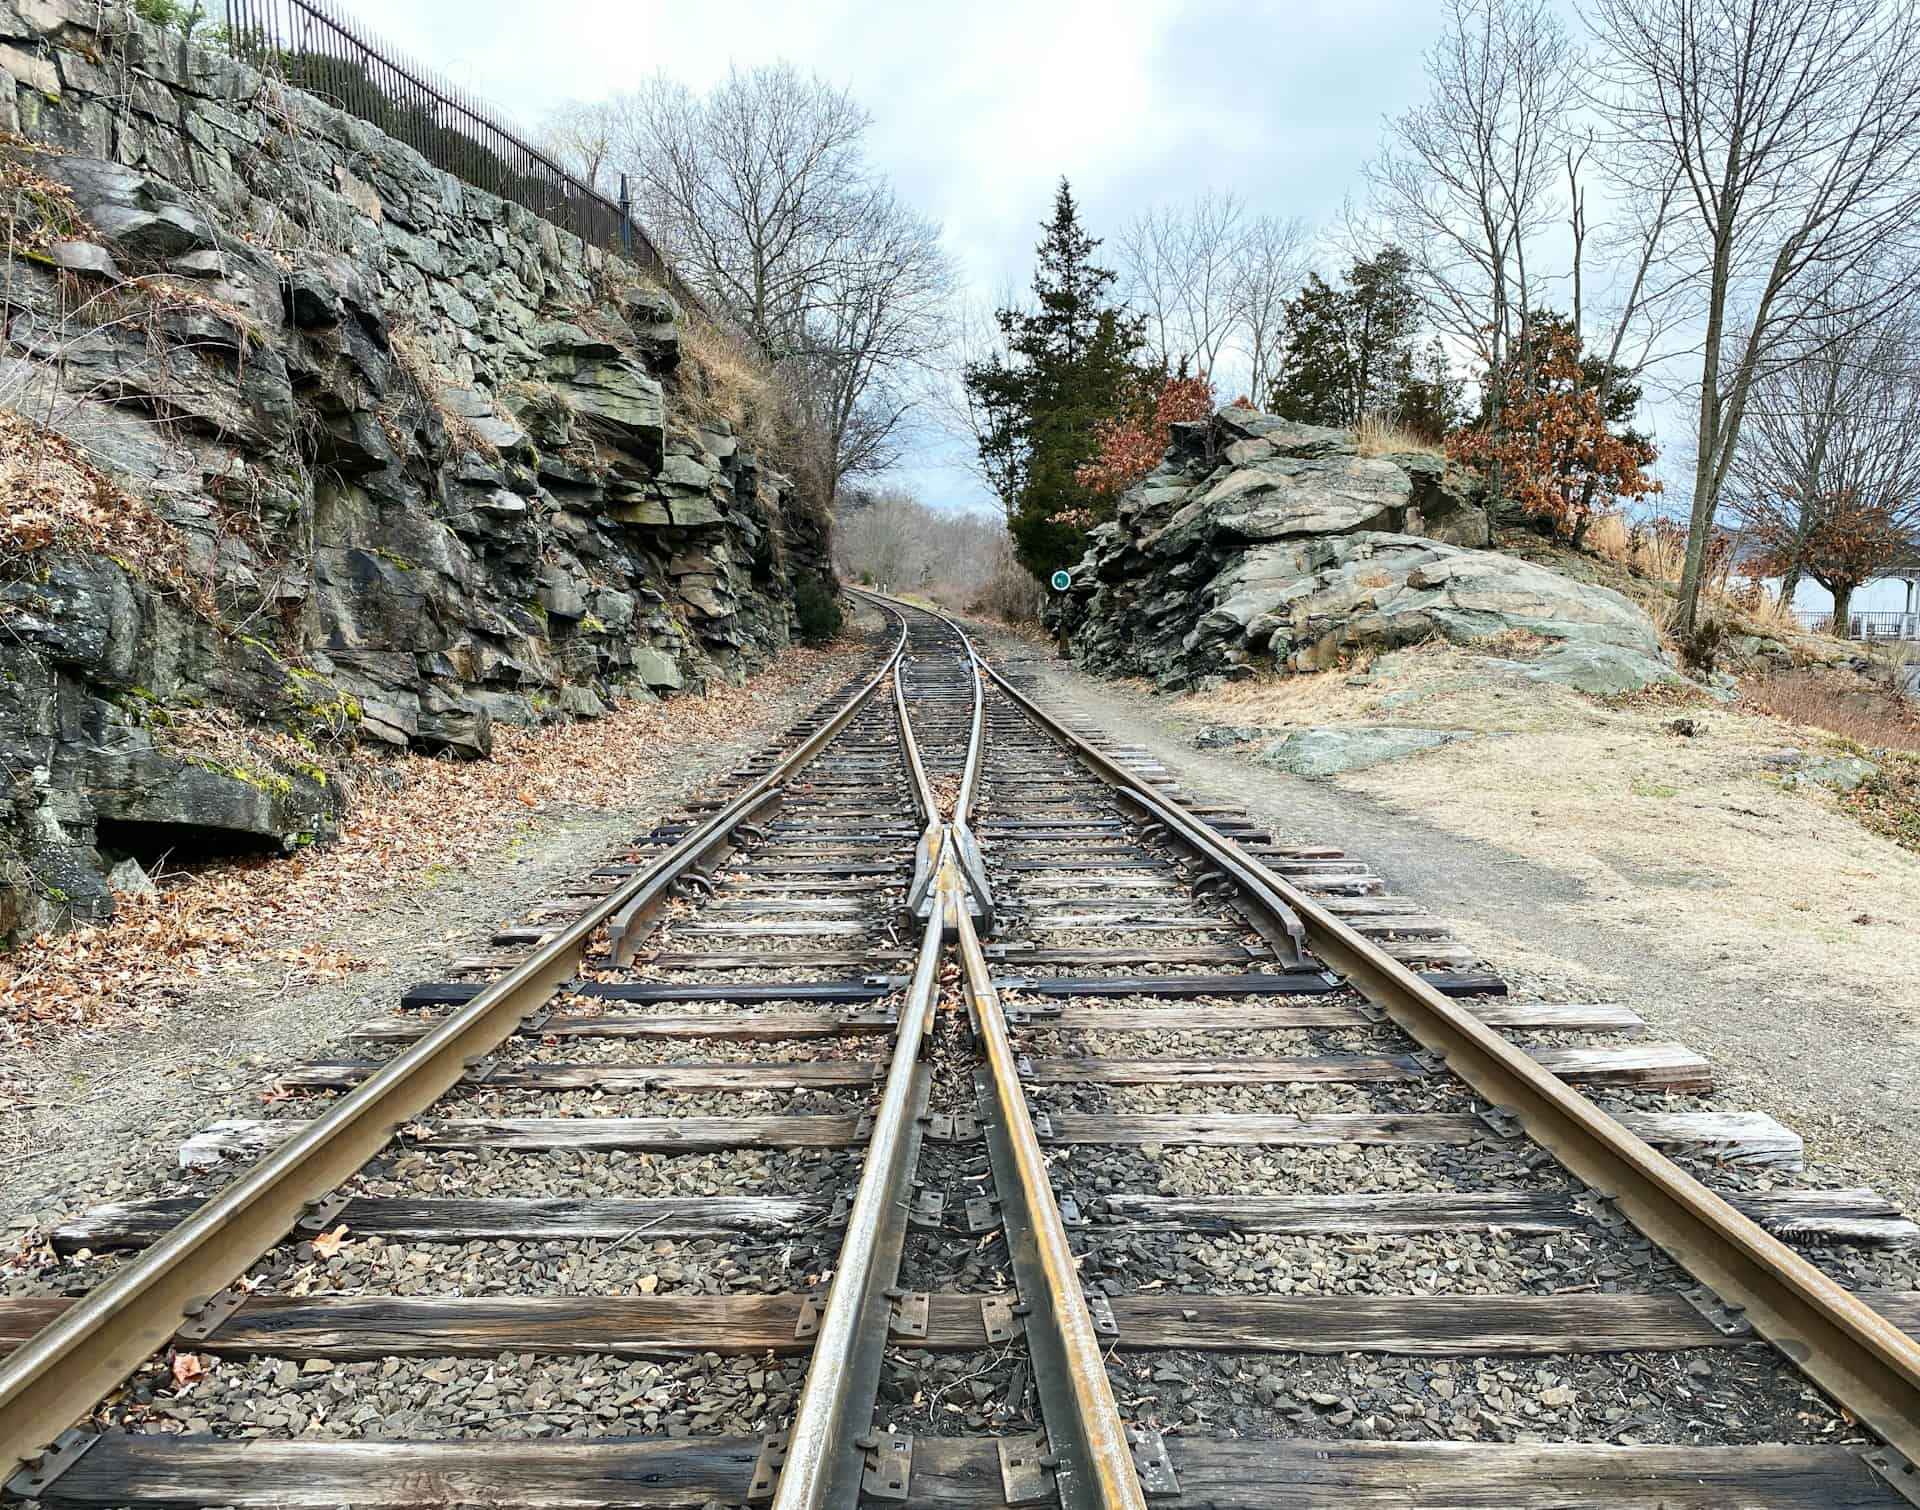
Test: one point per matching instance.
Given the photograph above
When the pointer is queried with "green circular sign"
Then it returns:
(1062, 580)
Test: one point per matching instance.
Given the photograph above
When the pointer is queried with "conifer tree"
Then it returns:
(1071, 363)
(1349, 351)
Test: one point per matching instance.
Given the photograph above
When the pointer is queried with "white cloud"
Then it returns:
(979, 108)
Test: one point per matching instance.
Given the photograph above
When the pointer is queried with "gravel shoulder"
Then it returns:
(94, 1110)
(1592, 855)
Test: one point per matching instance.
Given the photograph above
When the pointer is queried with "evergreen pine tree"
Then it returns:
(1070, 364)
(1349, 351)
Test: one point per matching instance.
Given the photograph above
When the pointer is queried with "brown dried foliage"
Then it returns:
(252, 922)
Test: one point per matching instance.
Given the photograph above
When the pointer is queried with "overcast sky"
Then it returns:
(979, 108)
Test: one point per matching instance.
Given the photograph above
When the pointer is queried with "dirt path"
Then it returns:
(95, 1112)
(1808, 1020)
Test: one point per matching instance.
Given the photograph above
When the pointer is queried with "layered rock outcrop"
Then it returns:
(1263, 543)
(423, 461)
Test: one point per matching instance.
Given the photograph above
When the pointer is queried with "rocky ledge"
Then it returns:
(403, 460)
(1260, 543)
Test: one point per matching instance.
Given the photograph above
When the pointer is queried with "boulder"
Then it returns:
(656, 668)
(1260, 541)
(1837, 773)
(1320, 753)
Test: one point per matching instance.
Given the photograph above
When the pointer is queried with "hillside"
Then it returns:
(312, 449)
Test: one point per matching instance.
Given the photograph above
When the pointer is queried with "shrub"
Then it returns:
(1132, 444)
(816, 611)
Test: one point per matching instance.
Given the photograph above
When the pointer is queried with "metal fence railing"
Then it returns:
(1889, 624)
(317, 47)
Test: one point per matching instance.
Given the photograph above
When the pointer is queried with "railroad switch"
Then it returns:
(889, 1467)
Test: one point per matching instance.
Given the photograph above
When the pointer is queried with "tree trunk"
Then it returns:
(1789, 586)
(1842, 606)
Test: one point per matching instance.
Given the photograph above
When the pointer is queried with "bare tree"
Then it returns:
(977, 339)
(757, 190)
(1827, 478)
(760, 193)
(1274, 259)
(1179, 267)
(865, 357)
(962, 558)
(1467, 181)
(579, 136)
(1793, 128)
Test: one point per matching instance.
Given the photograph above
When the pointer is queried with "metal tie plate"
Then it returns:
(1026, 1470)
(767, 1466)
(889, 1467)
(1153, 1463)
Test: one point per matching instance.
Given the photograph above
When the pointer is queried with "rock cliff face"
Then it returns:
(412, 459)
(1259, 542)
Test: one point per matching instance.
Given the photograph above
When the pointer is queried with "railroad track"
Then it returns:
(948, 1112)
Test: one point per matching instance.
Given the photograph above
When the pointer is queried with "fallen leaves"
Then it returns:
(415, 819)
(326, 1244)
(188, 1367)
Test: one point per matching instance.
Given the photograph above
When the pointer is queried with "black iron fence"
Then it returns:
(317, 47)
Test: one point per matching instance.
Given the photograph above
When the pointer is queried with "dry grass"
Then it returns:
(1656, 550)
(1840, 704)
(1378, 436)
(431, 380)
(723, 376)
(55, 499)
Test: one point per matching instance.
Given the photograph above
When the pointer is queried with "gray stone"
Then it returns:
(1838, 773)
(1602, 670)
(380, 462)
(656, 668)
(312, 301)
(1225, 736)
(129, 880)
(1320, 753)
(85, 257)
(1258, 537)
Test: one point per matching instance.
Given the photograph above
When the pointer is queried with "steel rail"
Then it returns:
(1085, 1430)
(933, 835)
(1861, 1359)
(824, 1462)
(60, 1373)
(1276, 919)
(957, 834)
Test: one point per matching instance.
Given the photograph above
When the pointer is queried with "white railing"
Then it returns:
(1870, 625)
